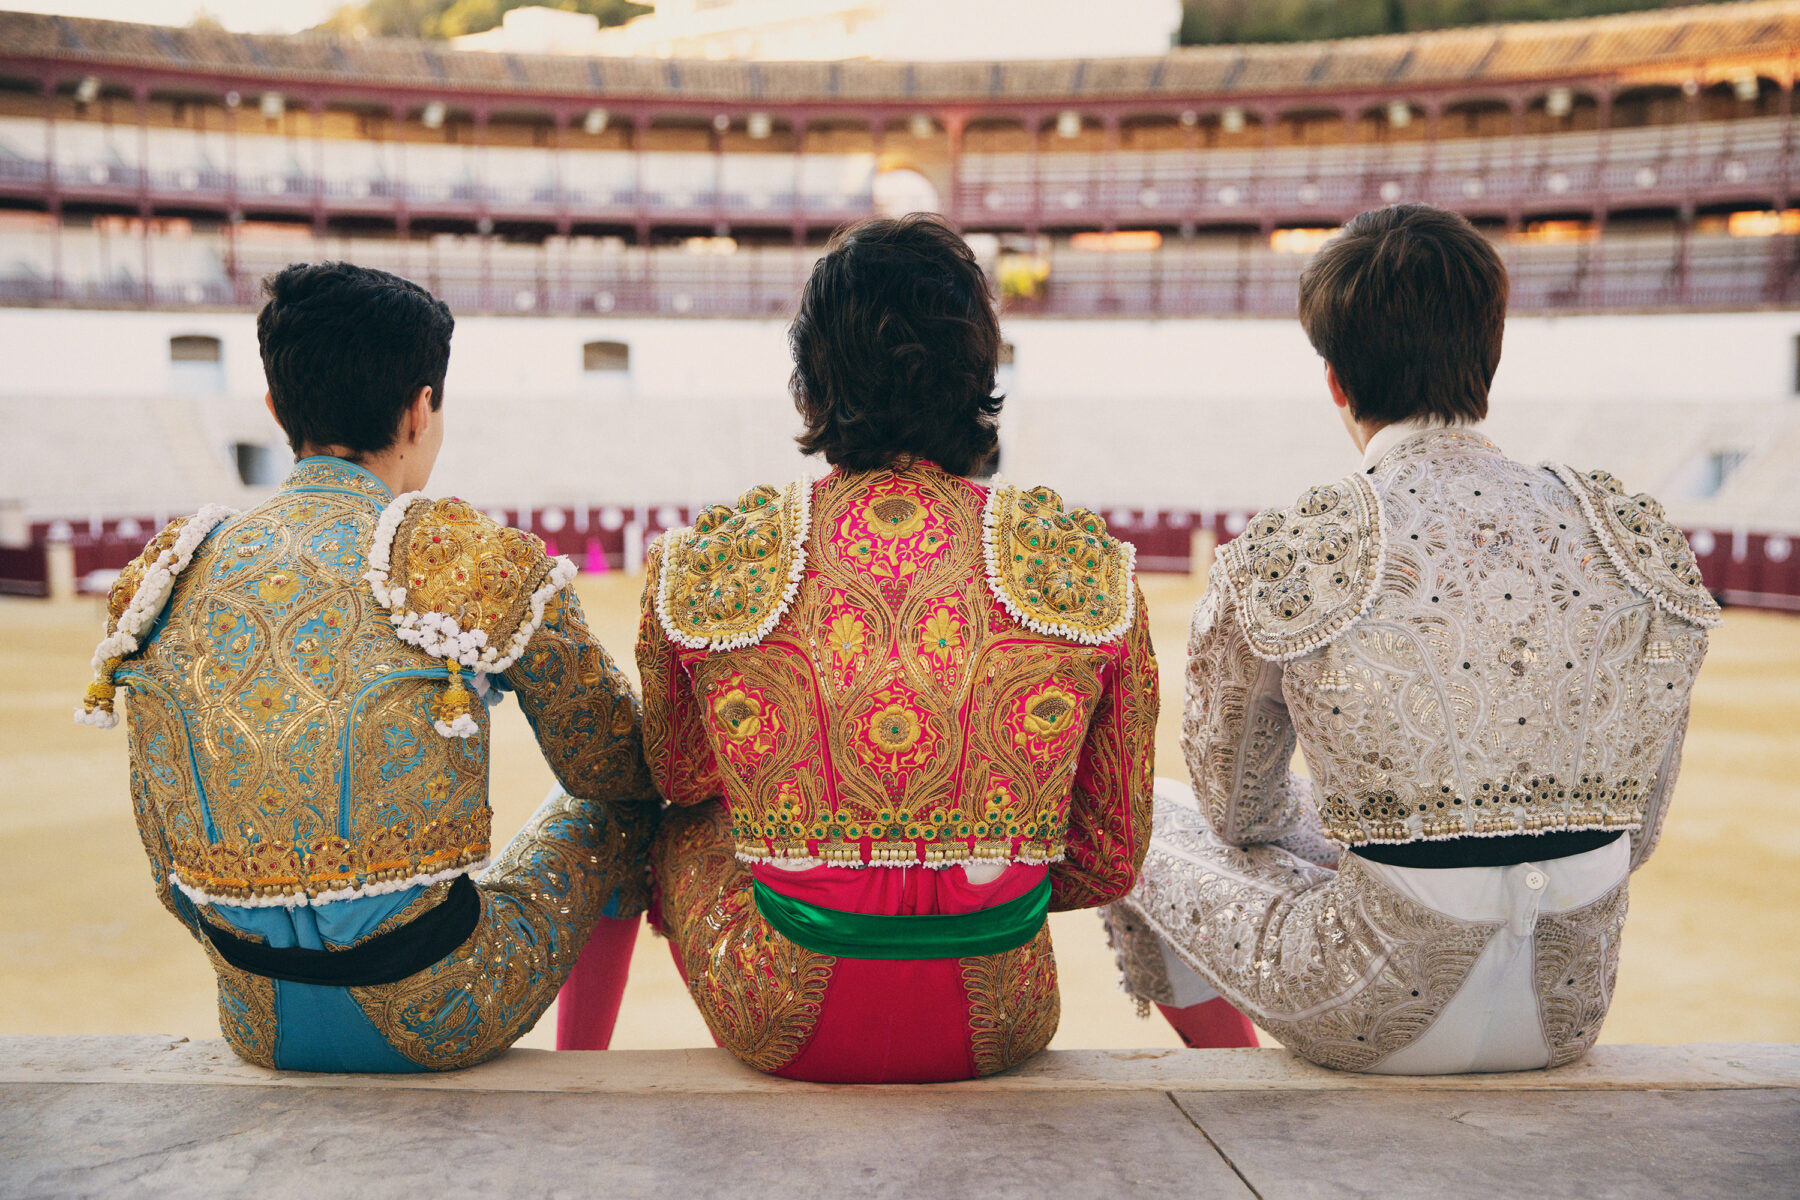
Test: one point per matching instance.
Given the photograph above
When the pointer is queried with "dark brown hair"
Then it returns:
(345, 349)
(1408, 304)
(895, 347)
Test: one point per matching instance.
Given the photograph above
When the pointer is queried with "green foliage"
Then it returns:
(1210, 22)
(452, 18)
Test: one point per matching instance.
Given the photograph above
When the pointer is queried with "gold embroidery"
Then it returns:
(725, 581)
(118, 597)
(1014, 1006)
(1305, 573)
(761, 994)
(246, 1010)
(947, 731)
(538, 902)
(453, 559)
(1057, 571)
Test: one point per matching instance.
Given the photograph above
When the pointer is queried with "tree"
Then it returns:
(453, 18)
(1213, 22)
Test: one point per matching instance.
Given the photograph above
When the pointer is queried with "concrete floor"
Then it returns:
(142, 1115)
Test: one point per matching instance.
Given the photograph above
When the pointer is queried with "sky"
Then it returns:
(244, 16)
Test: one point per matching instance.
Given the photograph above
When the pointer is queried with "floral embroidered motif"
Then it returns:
(1014, 1005)
(739, 714)
(896, 731)
(1049, 714)
(1504, 679)
(761, 995)
(892, 530)
(1304, 574)
(726, 581)
(1057, 571)
(904, 715)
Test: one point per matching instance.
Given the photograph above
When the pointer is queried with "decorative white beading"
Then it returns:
(147, 602)
(800, 498)
(331, 896)
(438, 634)
(990, 550)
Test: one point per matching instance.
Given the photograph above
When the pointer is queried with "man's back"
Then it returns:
(293, 753)
(1465, 651)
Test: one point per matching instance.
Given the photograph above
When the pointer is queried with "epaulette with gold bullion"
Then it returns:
(1057, 570)
(136, 600)
(461, 587)
(1304, 574)
(1648, 550)
(726, 580)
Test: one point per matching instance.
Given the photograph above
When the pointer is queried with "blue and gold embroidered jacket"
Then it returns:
(294, 737)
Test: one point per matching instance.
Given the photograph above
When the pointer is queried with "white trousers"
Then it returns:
(1323, 958)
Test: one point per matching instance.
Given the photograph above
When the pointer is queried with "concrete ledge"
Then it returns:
(149, 1116)
(148, 1059)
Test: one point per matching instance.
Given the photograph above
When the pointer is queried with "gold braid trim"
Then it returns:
(1057, 571)
(728, 579)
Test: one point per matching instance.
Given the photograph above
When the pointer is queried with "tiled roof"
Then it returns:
(1448, 58)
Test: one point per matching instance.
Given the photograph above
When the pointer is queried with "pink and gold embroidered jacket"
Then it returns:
(901, 666)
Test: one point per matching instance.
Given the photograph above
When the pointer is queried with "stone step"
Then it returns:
(159, 1116)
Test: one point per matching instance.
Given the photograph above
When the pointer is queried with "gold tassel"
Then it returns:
(456, 700)
(99, 696)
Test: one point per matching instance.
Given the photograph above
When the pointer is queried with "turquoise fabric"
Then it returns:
(343, 465)
(317, 926)
(322, 1029)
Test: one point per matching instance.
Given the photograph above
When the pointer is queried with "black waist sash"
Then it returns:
(1505, 851)
(385, 958)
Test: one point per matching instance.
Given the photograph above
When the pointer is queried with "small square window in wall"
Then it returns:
(196, 364)
(192, 347)
(258, 465)
(605, 357)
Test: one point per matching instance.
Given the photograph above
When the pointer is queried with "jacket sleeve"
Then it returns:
(582, 709)
(1662, 790)
(675, 743)
(1109, 805)
(1235, 730)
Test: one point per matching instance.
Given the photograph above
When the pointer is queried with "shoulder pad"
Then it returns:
(1057, 570)
(125, 587)
(728, 579)
(1302, 575)
(137, 598)
(1647, 549)
(460, 585)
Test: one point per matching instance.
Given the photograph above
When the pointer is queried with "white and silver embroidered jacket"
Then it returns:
(1461, 644)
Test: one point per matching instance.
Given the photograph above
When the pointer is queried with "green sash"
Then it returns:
(931, 935)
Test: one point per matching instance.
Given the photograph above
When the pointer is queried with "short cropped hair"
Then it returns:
(895, 349)
(345, 349)
(1407, 304)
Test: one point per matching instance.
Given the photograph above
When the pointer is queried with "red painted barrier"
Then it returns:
(1745, 569)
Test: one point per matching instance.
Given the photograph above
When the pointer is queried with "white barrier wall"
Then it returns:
(1204, 414)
